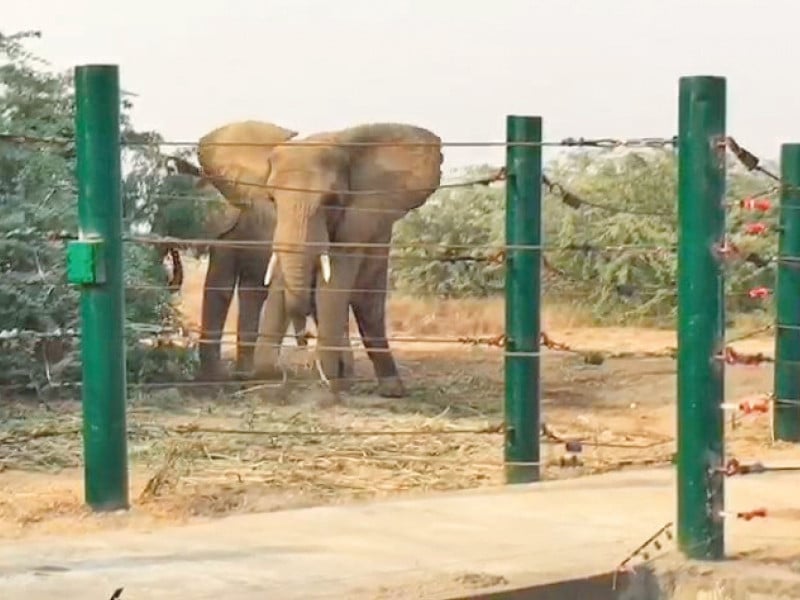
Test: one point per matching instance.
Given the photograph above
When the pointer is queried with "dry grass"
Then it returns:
(407, 316)
(208, 456)
(216, 456)
(286, 447)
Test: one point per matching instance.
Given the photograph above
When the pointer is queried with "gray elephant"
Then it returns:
(238, 172)
(337, 196)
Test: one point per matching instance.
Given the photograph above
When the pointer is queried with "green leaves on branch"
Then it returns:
(620, 267)
(37, 198)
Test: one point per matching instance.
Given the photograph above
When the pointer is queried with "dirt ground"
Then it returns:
(197, 456)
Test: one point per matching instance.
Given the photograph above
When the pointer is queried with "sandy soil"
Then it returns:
(201, 456)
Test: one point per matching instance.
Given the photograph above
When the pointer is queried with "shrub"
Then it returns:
(37, 199)
(613, 255)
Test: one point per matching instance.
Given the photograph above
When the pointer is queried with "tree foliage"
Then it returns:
(613, 255)
(38, 199)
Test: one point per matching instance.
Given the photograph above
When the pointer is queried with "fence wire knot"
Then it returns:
(550, 343)
(497, 341)
(749, 407)
(732, 357)
(612, 143)
(726, 250)
(748, 160)
(734, 467)
(746, 515)
(559, 190)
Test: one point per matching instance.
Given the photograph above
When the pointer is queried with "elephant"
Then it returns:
(237, 171)
(337, 196)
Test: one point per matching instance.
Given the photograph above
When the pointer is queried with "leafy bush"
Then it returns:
(37, 199)
(468, 216)
(618, 264)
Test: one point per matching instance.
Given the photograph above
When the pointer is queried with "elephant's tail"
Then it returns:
(181, 166)
(176, 165)
(176, 280)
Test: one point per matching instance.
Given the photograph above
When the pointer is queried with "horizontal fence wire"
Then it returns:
(623, 290)
(165, 333)
(572, 444)
(602, 143)
(498, 257)
(298, 247)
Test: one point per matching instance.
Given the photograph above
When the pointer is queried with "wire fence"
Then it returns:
(303, 452)
(448, 253)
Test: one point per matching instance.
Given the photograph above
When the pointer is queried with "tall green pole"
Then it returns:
(786, 416)
(523, 290)
(701, 319)
(95, 263)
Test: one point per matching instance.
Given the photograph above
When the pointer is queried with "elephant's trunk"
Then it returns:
(301, 245)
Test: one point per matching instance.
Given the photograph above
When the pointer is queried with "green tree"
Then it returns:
(37, 203)
(610, 247)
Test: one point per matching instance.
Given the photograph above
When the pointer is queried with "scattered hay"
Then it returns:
(209, 458)
(263, 451)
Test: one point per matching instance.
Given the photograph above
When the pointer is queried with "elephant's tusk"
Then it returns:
(321, 372)
(273, 260)
(325, 265)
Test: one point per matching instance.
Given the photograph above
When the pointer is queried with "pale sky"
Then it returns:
(591, 68)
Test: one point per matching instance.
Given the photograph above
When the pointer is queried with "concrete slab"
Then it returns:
(441, 546)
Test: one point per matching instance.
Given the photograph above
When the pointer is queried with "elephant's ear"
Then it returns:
(413, 169)
(235, 158)
(221, 218)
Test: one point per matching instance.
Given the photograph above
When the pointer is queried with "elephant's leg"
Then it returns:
(252, 294)
(347, 358)
(297, 321)
(272, 327)
(217, 294)
(369, 308)
(333, 303)
(300, 330)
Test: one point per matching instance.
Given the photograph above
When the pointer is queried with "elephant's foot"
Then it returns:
(391, 387)
(344, 368)
(337, 385)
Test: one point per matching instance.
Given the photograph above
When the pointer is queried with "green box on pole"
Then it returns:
(85, 262)
(523, 293)
(95, 262)
(786, 416)
(701, 316)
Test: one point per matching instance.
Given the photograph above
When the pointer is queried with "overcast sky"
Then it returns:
(589, 67)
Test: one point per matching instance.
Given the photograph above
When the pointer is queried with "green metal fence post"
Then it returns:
(95, 263)
(786, 416)
(523, 289)
(701, 319)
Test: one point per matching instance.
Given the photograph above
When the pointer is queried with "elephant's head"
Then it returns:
(322, 189)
